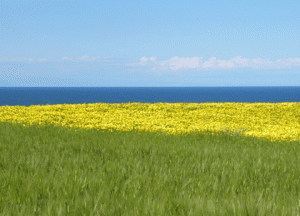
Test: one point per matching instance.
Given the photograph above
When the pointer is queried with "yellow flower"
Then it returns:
(279, 121)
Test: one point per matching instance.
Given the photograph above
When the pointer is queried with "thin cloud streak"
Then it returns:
(25, 59)
(181, 63)
(85, 58)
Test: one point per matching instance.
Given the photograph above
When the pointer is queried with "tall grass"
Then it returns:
(54, 171)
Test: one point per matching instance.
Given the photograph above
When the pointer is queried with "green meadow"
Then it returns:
(54, 171)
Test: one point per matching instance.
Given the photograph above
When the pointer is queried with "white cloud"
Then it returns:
(210, 63)
(181, 63)
(153, 58)
(67, 58)
(177, 63)
(243, 62)
(43, 60)
(25, 59)
(290, 62)
(143, 61)
(85, 58)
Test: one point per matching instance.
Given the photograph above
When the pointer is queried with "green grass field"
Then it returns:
(54, 171)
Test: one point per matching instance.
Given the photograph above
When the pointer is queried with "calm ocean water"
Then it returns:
(26, 96)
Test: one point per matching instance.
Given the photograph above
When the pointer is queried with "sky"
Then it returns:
(157, 43)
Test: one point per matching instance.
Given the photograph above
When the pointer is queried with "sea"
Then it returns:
(27, 96)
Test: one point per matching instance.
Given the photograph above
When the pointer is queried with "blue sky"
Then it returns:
(157, 43)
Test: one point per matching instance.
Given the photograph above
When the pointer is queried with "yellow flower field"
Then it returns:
(275, 121)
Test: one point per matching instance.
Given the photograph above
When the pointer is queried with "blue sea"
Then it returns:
(26, 96)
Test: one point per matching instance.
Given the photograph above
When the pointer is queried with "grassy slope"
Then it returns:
(51, 171)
